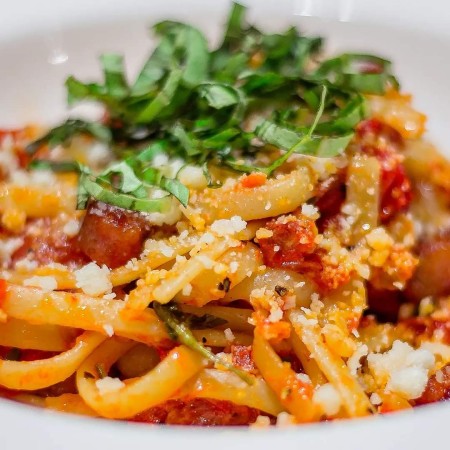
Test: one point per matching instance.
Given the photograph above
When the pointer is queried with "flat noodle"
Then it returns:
(38, 201)
(32, 375)
(236, 318)
(270, 277)
(294, 394)
(179, 276)
(137, 394)
(25, 335)
(234, 266)
(69, 403)
(224, 385)
(217, 338)
(277, 196)
(363, 196)
(354, 398)
(81, 311)
(309, 364)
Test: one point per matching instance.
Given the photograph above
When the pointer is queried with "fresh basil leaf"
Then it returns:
(91, 188)
(219, 96)
(129, 182)
(114, 72)
(55, 166)
(61, 134)
(162, 100)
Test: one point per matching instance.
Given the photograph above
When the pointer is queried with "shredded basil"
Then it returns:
(194, 103)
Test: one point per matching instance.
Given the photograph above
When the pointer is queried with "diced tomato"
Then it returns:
(292, 246)
(378, 139)
(292, 239)
(242, 357)
(254, 180)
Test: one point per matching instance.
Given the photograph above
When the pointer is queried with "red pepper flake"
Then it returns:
(254, 180)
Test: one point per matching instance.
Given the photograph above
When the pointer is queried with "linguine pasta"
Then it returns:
(251, 235)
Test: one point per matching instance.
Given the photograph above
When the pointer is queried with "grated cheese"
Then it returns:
(353, 363)
(402, 369)
(71, 228)
(328, 398)
(46, 283)
(226, 227)
(229, 336)
(108, 384)
(93, 280)
(310, 211)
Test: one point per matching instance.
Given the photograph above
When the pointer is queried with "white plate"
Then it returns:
(42, 42)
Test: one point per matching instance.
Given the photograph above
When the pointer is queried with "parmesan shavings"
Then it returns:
(227, 227)
(403, 369)
(328, 398)
(108, 384)
(45, 283)
(93, 279)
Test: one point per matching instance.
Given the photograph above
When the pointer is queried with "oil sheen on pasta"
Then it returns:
(255, 234)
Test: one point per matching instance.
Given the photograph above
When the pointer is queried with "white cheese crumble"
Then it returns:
(8, 247)
(187, 289)
(328, 398)
(192, 177)
(108, 384)
(225, 227)
(310, 211)
(45, 283)
(354, 362)
(93, 279)
(165, 249)
(37, 177)
(71, 228)
(206, 261)
(229, 336)
(375, 399)
(403, 369)
(234, 266)
(109, 330)
(261, 422)
(285, 419)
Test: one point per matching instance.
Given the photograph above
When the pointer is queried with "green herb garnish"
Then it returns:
(180, 332)
(254, 92)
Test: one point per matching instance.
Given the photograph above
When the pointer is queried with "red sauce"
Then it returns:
(200, 412)
(378, 139)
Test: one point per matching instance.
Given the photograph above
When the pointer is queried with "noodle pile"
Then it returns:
(305, 293)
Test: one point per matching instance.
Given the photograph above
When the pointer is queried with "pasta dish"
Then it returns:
(254, 234)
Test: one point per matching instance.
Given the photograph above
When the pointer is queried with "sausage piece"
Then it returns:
(111, 235)
(432, 276)
(200, 412)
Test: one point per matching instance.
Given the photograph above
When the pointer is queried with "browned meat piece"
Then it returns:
(438, 387)
(432, 276)
(200, 412)
(46, 243)
(111, 235)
